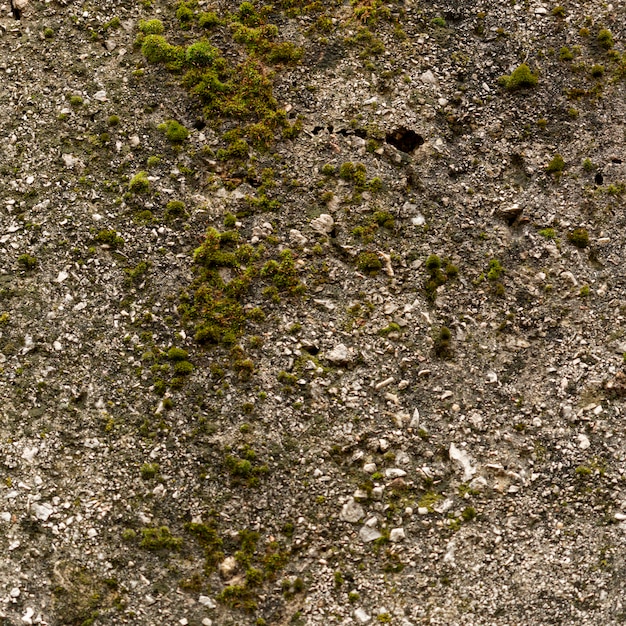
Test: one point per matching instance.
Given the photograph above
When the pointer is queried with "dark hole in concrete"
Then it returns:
(17, 13)
(616, 160)
(359, 132)
(404, 139)
(199, 124)
(599, 179)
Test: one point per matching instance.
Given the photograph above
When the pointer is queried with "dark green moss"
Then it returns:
(159, 538)
(605, 39)
(174, 131)
(27, 262)
(369, 263)
(579, 237)
(521, 78)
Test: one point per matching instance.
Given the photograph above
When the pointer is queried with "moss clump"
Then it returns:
(161, 538)
(495, 270)
(156, 49)
(238, 597)
(151, 27)
(149, 470)
(237, 150)
(175, 209)
(209, 539)
(109, 238)
(391, 328)
(597, 70)
(139, 183)
(369, 263)
(521, 78)
(177, 354)
(174, 131)
(184, 14)
(579, 237)
(183, 368)
(201, 54)
(218, 305)
(27, 262)
(439, 273)
(548, 233)
(443, 342)
(605, 39)
(135, 275)
(556, 165)
(208, 19)
(384, 219)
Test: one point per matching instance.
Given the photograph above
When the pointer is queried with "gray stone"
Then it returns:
(367, 534)
(339, 355)
(351, 511)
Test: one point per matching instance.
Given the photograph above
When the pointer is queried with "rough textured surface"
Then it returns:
(344, 345)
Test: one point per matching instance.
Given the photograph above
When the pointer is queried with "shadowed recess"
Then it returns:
(404, 139)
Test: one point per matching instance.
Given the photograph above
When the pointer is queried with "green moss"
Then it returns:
(156, 49)
(443, 342)
(556, 165)
(369, 263)
(285, 53)
(438, 21)
(597, 70)
(237, 150)
(468, 513)
(433, 264)
(139, 183)
(391, 328)
(175, 209)
(238, 597)
(135, 275)
(177, 354)
(384, 218)
(149, 470)
(109, 238)
(370, 12)
(201, 54)
(521, 78)
(495, 270)
(429, 500)
(174, 131)
(159, 538)
(208, 19)
(151, 27)
(548, 233)
(184, 14)
(605, 39)
(27, 261)
(183, 368)
(579, 237)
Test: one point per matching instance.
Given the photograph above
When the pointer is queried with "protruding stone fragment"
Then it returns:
(339, 355)
(323, 224)
(351, 511)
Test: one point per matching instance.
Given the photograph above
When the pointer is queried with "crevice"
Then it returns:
(404, 139)
(17, 12)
